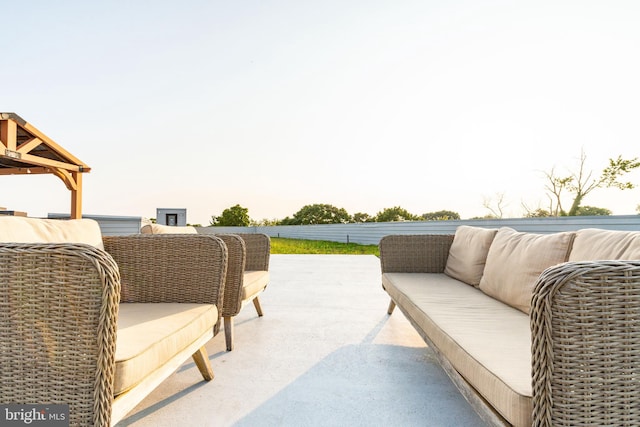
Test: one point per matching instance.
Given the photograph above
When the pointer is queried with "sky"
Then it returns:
(361, 104)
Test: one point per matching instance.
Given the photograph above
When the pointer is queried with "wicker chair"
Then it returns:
(248, 275)
(59, 316)
(248, 268)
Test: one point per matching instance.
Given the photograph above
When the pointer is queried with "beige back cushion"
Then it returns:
(36, 230)
(515, 261)
(592, 244)
(167, 229)
(468, 253)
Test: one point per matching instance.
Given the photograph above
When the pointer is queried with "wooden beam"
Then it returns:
(25, 170)
(76, 196)
(55, 147)
(29, 145)
(9, 134)
(66, 177)
(53, 164)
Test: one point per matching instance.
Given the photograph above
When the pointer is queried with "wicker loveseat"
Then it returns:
(533, 329)
(98, 323)
(248, 269)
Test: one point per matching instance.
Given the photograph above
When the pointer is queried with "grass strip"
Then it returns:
(281, 245)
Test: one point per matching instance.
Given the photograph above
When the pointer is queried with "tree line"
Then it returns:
(573, 186)
(322, 213)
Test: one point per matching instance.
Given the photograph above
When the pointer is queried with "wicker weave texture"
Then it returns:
(258, 251)
(58, 318)
(258, 248)
(585, 322)
(232, 301)
(422, 253)
(187, 268)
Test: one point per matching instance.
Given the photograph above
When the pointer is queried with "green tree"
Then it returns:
(395, 213)
(233, 216)
(440, 216)
(362, 217)
(321, 214)
(582, 182)
(538, 213)
(287, 221)
(266, 222)
(592, 211)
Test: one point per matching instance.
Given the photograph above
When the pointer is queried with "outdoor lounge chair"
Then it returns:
(248, 269)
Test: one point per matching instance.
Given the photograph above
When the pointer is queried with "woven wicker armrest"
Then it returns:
(232, 302)
(188, 268)
(414, 253)
(585, 322)
(58, 318)
(258, 251)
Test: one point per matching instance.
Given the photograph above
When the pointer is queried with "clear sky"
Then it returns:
(362, 104)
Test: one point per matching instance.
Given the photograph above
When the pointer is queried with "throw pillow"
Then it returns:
(515, 261)
(468, 253)
(592, 244)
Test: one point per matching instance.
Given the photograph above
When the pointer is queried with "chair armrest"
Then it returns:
(188, 268)
(58, 322)
(425, 253)
(585, 346)
(233, 287)
(258, 251)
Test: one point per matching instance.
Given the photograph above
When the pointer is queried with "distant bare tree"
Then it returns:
(496, 208)
(582, 182)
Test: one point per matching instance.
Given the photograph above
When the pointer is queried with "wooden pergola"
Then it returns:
(25, 150)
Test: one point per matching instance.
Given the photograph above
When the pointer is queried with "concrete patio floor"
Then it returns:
(324, 354)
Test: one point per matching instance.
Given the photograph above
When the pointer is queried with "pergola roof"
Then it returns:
(26, 150)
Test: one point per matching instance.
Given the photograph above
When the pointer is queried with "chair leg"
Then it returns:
(228, 332)
(256, 304)
(392, 305)
(201, 358)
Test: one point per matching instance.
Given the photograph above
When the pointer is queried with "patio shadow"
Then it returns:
(348, 388)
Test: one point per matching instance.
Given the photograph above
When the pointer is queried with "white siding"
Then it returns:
(372, 232)
(110, 225)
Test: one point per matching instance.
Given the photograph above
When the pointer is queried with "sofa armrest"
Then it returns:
(585, 344)
(425, 253)
(233, 287)
(187, 268)
(258, 251)
(58, 320)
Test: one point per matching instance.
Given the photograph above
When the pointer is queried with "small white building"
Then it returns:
(174, 217)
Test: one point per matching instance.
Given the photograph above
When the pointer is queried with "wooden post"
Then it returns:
(76, 196)
(8, 134)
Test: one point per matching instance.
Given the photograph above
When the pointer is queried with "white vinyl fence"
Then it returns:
(372, 232)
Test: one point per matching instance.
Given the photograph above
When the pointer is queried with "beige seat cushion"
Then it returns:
(38, 230)
(254, 282)
(515, 261)
(167, 229)
(592, 244)
(150, 334)
(468, 253)
(486, 341)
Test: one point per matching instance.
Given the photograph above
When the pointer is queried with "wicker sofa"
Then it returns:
(97, 323)
(248, 269)
(534, 329)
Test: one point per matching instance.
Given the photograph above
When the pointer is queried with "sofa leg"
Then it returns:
(228, 332)
(256, 304)
(392, 305)
(201, 358)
